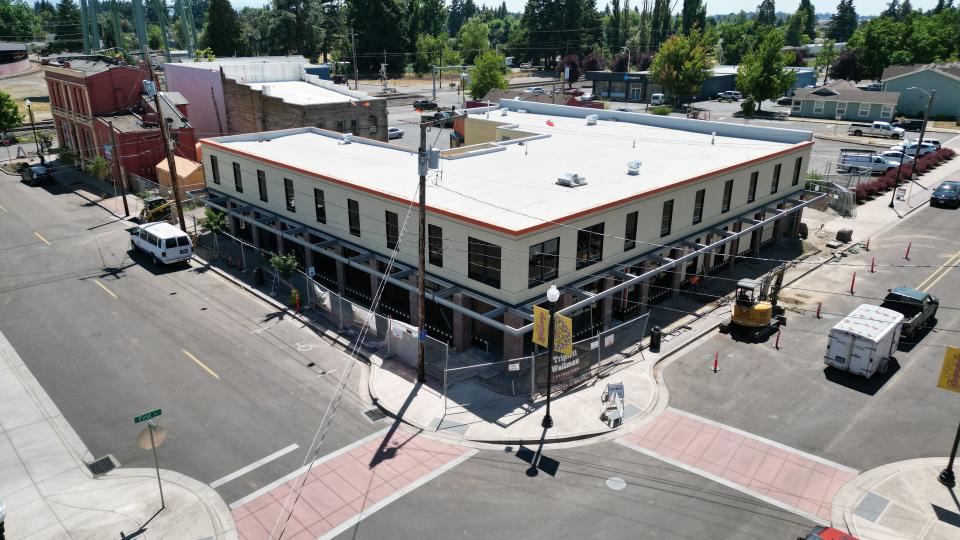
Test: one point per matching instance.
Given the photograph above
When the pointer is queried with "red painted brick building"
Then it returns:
(88, 93)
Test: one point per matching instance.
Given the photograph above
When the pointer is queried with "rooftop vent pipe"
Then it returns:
(592, 119)
(346, 138)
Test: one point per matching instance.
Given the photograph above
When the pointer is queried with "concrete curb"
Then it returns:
(853, 140)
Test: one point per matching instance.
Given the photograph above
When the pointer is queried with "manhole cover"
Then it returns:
(616, 484)
(375, 414)
(102, 466)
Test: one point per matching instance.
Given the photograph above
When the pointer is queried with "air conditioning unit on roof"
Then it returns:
(571, 180)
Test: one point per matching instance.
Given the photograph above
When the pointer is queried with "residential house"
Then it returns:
(944, 78)
(841, 100)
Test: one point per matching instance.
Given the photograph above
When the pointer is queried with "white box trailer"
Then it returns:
(863, 342)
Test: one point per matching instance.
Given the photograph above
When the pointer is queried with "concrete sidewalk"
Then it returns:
(50, 492)
(898, 501)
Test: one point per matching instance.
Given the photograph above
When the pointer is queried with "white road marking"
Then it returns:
(2, 208)
(237, 504)
(304, 347)
(396, 495)
(259, 463)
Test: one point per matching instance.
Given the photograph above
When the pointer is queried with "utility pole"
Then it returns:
(353, 47)
(422, 244)
(171, 163)
(923, 130)
(115, 151)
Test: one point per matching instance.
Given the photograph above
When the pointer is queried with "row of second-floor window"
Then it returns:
(352, 125)
(68, 97)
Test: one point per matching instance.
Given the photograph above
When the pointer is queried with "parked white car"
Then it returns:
(394, 133)
(163, 242)
(535, 90)
(731, 94)
(657, 99)
(910, 147)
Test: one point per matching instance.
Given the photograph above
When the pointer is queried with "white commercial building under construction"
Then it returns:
(617, 209)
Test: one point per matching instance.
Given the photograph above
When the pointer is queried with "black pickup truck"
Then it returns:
(918, 308)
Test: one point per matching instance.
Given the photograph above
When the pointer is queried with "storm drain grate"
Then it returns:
(102, 465)
(375, 414)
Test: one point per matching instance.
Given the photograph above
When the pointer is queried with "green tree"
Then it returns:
(434, 51)
(487, 74)
(18, 21)
(682, 65)
(794, 35)
(847, 67)
(214, 222)
(843, 23)
(10, 115)
(473, 39)
(297, 26)
(612, 23)
(825, 58)
(762, 74)
(381, 27)
(766, 13)
(660, 23)
(810, 29)
(694, 15)
(222, 31)
(99, 167)
(285, 264)
(154, 36)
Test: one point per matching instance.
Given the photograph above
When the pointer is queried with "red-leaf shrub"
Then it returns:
(861, 192)
(870, 188)
(946, 153)
(921, 166)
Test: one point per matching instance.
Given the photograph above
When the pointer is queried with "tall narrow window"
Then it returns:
(666, 220)
(319, 207)
(262, 184)
(393, 229)
(290, 195)
(775, 184)
(373, 125)
(353, 127)
(698, 206)
(483, 260)
(589, 245)
(353, 214)
(237, 180)
(796, 171)
(340, 126)
(215, 167)
(752, 193)
(544, 261)
(435, 245)
(630, 233)
(727, 194)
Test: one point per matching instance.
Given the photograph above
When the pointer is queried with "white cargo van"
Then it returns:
(863, 342)
(163, 242)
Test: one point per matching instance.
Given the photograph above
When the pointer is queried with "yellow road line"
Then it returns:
(42, 239)
(104, 287)
(2, 208)
(201, 364)
(938, 273)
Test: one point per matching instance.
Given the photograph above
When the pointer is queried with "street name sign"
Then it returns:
(146, 416)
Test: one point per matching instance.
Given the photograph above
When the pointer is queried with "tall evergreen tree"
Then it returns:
(810, 28)
(660, 23)
(694, 14)
(766, 13)
(68, 21)
(843, 23)
(893, 10)
(613, 30)
(222, 33)
(381, 28)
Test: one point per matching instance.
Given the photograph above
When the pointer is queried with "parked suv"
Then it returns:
(910, 147)
(163, 242)
(657, 99)
(909, 124)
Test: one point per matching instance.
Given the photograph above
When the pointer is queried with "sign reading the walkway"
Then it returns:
(950, 372)
(562, 330)
(146, 416)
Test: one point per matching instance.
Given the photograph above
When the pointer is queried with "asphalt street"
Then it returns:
(494, 494)
(788, 395)
(109, 336)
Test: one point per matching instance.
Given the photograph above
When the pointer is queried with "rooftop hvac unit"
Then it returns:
(346, 138)
(633, 167)
(592, 119)
(503, 111)
(571, 180)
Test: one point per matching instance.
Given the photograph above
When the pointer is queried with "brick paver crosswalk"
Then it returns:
(787, 477)
(345, 486)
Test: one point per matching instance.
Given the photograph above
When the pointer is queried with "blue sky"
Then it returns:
(864, 7)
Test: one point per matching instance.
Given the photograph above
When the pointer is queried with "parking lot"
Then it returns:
(788, 395)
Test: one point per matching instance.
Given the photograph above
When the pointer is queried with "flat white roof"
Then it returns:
(300, 92)
(519, 181)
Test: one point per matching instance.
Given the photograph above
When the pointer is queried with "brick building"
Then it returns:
(268, 97)
(89, 93)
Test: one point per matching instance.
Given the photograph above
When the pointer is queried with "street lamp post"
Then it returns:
(923, 128)
(553, 294)
(33, 126)
(946, 476)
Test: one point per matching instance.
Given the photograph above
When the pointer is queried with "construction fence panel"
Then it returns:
(507, 378)
(403, 343)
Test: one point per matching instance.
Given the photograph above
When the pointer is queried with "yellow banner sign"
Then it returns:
(950, 372)
(541, 318)
(562, 330)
